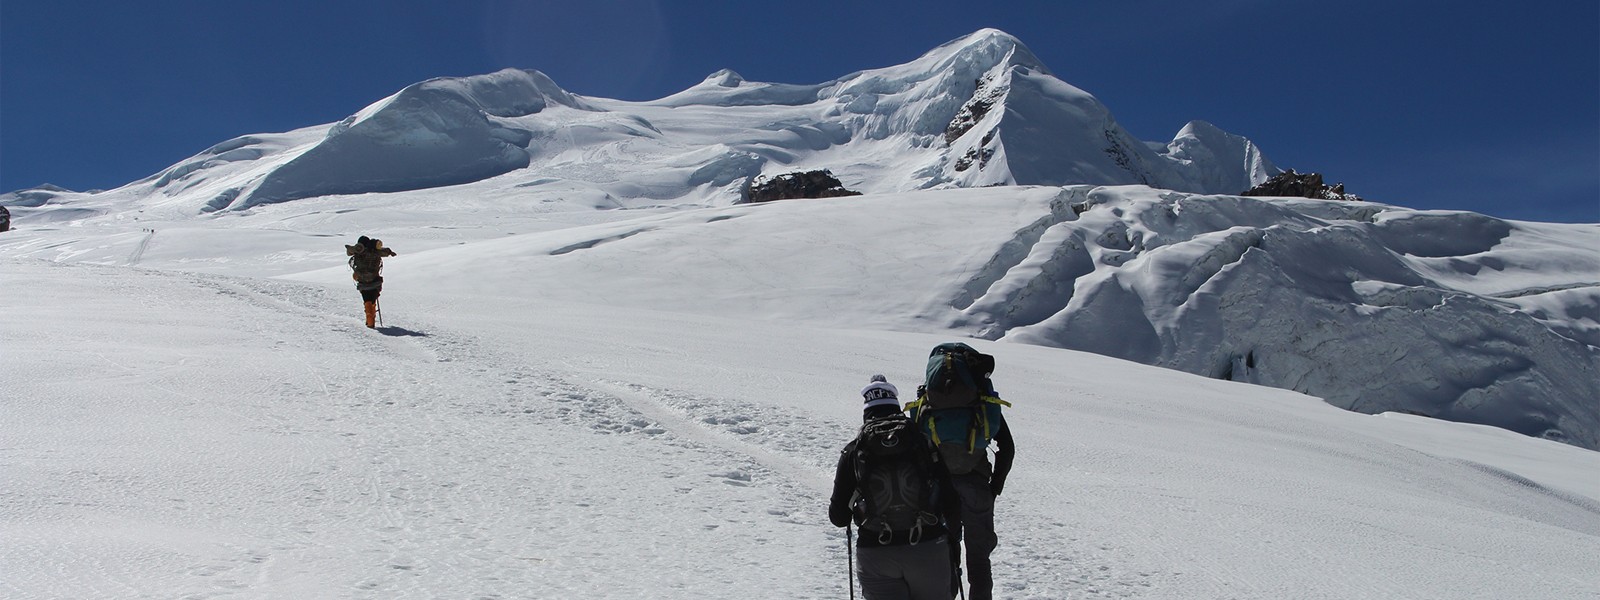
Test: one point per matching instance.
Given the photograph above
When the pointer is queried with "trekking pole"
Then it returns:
(850, 551)
(378, 306)
(955, 565)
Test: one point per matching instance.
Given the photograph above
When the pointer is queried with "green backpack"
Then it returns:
(957, 406)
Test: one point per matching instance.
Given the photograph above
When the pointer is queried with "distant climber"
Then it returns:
(890, 483)
(366, 265)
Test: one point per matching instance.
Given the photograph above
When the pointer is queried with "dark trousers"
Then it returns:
(920, 572)
(977, 530)
(370, 289)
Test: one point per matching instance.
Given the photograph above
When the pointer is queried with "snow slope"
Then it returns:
(172, 434)
(1373, 308)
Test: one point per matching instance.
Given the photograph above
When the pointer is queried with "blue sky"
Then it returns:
(1492, 107)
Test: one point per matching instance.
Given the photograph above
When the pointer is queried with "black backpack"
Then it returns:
(366, 265)
(896, 485)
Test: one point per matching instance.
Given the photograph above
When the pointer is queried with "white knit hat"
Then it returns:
(880, 393)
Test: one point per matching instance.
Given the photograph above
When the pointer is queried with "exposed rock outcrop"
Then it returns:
(800, 184)
(5, 219)
(1302, 185)
(974, 110)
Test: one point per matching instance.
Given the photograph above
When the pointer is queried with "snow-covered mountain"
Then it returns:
(977, 111)
(1094, 240)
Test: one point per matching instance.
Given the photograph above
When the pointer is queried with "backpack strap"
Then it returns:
(979, 422)
(981, 412)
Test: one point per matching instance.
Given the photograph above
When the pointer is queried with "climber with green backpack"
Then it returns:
(959, 411)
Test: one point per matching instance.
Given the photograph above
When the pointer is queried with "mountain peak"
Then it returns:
(724, 78)
(990, 35)
(987, 47)
(1210, 158)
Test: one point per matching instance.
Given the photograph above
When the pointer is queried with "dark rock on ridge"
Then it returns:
(1301, 185)
(800, 184)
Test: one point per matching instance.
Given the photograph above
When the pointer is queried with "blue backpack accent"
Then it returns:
(957, 406)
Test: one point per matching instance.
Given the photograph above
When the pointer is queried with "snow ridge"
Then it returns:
(977, 111)
(436, 133)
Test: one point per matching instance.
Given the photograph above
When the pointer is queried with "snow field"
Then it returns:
(412, 467)
(191, 435)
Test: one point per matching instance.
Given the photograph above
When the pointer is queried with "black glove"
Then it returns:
(997, 484)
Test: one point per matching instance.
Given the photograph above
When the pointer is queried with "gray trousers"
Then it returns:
(977, 530)
(920, 572)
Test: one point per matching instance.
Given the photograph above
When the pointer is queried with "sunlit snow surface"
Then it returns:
(598, 378)
(175, 435)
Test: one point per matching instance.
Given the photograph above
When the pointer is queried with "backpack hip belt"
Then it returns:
(913, 536)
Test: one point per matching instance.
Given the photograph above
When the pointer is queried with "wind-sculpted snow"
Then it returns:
(33, 197)
(1235, 289)
(432, 134)
(727, 88)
